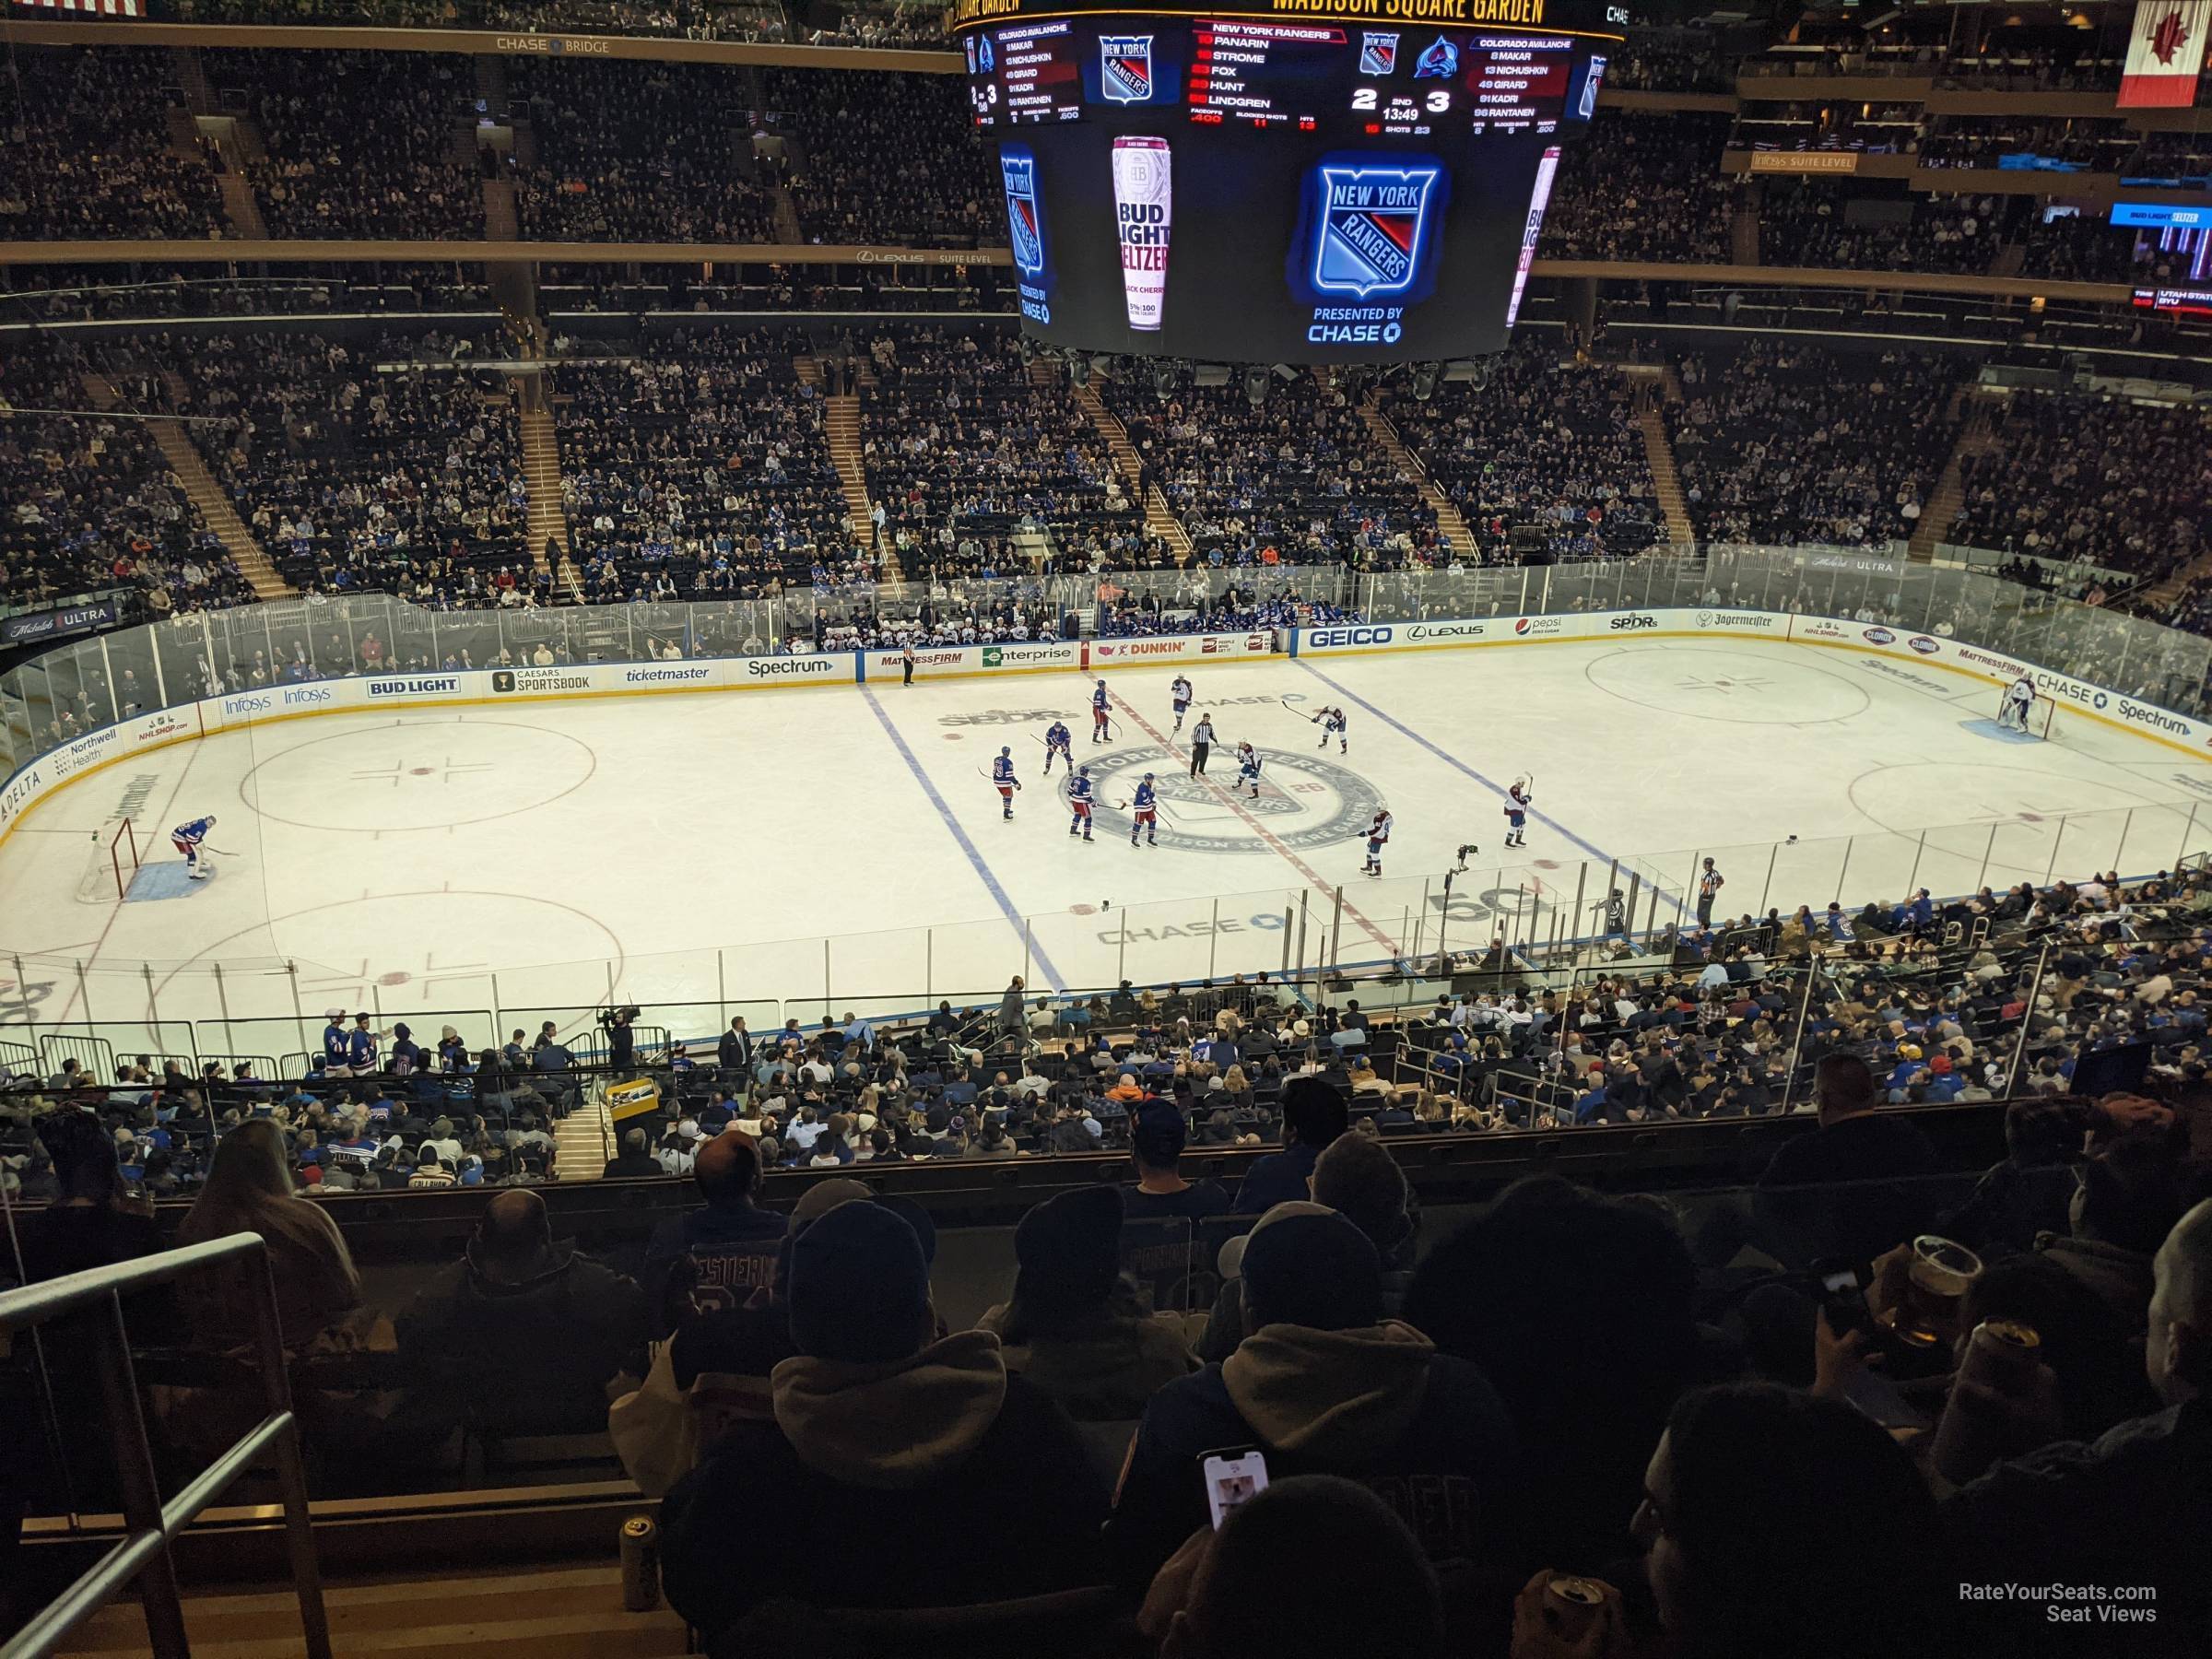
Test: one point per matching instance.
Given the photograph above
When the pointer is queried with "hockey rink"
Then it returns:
(771, 851)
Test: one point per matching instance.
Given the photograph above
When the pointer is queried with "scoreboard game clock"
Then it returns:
(1361, 180)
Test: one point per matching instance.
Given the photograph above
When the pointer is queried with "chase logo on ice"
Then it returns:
(1374, 227)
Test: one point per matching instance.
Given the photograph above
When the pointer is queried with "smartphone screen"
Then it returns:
(1232, 1477)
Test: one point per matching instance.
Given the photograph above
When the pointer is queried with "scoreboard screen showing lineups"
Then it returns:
(1353, 181)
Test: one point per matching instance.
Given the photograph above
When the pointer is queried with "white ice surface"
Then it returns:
(699, 850)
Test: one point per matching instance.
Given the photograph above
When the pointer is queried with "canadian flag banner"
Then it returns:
(2164, 55)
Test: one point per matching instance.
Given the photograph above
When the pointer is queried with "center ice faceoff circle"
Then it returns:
(1306, 802)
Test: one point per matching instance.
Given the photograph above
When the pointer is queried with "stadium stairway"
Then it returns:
(201, 490)
(499, 222)
(555, 1613)
(1666, 482)
(541, 471)
(1448, 517)
(1977, 436)
(192, 75)
(845, 453)
(787, 215)
(582, 1142)
(1159, 521)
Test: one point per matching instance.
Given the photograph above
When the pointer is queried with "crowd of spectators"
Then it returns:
(2084, 247)
(1656, 60)
(92, 293)
(88, 502)
(2115, 483)
(639, 152)
(87, 153)
(2081, 144)
(1549, 443)
(1644, 186)
(702, 469)
(1813, 222)
(962, 450)
(1785, 443)
(362, 144)
(1790, 1418)
(394, 466)
(1295, 478)
(890, 158)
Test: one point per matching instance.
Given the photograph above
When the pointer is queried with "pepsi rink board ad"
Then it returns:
(1360, 181)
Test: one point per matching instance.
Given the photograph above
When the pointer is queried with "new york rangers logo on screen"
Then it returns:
(1020, 170)
(1126, 68)
(1374, 222)
(1378, 53)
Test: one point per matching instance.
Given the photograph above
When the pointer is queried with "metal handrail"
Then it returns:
(144, 1552)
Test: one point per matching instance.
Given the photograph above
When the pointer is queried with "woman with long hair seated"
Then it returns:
(249, 1189)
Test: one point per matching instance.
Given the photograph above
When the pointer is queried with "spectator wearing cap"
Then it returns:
(1156, 1137)
(523, 1322)
(879, 1431)
(1314, 1113)
(1363, 1184)
(1074, 1326)
(1324, 1384)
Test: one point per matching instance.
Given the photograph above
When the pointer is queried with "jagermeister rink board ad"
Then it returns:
(1313, 184)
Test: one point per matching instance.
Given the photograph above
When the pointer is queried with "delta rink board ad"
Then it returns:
(41, 778)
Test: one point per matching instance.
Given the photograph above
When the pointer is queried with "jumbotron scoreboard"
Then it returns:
(1361, 181)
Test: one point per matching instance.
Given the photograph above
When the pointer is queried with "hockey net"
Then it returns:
(123, 857)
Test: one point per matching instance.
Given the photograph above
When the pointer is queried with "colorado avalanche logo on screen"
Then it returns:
(1441, 62)
(1023, 229)
(1374, 224)
(1126, 68)
(984, 55)
(1378, 54)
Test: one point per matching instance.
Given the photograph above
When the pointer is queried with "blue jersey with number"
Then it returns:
(1002, 769)
(1078, 789)
(194, 833)
(1097, 696)
(1145, 796)
(1057, 736)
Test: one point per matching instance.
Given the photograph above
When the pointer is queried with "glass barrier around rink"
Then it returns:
(258, 1003)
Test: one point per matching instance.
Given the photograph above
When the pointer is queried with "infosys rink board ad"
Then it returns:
(1378, 199)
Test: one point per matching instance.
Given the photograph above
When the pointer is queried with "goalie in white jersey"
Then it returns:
(2020, 697)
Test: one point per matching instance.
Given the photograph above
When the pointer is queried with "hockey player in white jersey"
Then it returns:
(1378, 837)
(2019, 696)
(1180, 693)
(1333, 723)
(1518, 804)
(1248, 769)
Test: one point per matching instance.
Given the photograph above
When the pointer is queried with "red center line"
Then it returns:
(1266, 834)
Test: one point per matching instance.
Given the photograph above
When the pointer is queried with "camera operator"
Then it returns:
(621, 1039)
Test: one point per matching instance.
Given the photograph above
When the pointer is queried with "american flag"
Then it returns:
(104, 8)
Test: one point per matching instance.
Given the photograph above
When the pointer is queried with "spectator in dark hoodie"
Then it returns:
(1362, 1183)
(712, 1260)
(881, 1433)
(1314, 1113)
(522, 1327)
(1074, 1326)
(1325, 1384)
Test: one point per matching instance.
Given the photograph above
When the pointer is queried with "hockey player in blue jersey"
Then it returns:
(1078, 801)
(1100, 715)
(1002, 774)
(1179, 692)
(186, 838)
(1333, 723)
(1145, 808)
(1248, 769)
(1060, 741)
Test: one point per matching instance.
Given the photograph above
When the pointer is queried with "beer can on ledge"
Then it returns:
(640, 1564)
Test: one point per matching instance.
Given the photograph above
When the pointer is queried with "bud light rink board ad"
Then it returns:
(1361, 182)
